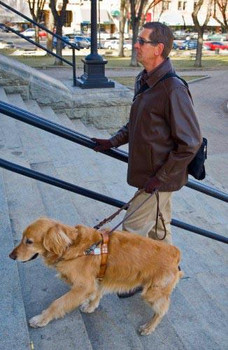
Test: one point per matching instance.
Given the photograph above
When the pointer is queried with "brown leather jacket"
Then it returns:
(163, 132)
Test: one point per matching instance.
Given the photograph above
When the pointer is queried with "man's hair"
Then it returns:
(160, 33)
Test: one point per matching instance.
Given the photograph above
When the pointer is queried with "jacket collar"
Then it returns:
(157, 73)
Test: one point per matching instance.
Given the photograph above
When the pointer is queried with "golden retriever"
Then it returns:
(132, 261)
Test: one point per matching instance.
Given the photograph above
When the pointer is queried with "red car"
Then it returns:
(214, 45)
(42, 33)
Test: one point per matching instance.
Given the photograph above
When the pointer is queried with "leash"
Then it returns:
(103, 250)
(126, 205)
(106, 234)
(111, 217)
(159, 215)
(130, 214)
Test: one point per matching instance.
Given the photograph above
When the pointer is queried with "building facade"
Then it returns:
(175, 13)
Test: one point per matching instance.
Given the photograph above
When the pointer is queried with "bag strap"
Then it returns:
(172, 75)
(145, 86)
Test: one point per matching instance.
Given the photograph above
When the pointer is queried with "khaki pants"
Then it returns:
(143, 221)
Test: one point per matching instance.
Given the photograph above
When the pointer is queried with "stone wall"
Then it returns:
(105, 108)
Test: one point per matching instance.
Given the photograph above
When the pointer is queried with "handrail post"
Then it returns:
(74, 67)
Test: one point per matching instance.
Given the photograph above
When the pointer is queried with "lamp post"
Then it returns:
(94, 64)
(99, 23)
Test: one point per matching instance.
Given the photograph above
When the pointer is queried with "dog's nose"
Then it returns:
(13, 255)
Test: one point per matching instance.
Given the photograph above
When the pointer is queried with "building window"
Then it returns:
(182, 5)
(68, 18)
(165, 5)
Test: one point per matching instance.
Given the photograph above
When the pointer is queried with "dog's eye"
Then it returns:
(28, 241)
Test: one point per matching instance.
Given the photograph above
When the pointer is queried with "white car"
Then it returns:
(111, 44)
(114, 45)
(29, 33)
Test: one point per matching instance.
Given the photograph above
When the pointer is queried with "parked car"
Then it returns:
(6, 44)
(42, 34)
(54, 43)
(128, 45)
(111, 44)
(175, 46)
(217, 37)
(99, 45)
(114, 45)
(215, 45)
(69, 38)
(180, 34)
(82, 42)
(188, 45)
(30, 33)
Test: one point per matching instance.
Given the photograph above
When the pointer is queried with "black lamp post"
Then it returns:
(94, 64)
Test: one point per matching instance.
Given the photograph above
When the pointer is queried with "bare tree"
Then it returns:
(36, 8)
(60, 19)
(136, 7)
(221, 7)
(139, 9)
(124, 5)
(200, 28)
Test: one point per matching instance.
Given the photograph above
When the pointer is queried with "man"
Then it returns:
(163, 134)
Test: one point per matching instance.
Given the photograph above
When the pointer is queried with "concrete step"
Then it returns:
(45, 291)
(201, 294)
(118, 336)
(86, 169)
(13, 325)
(9, 139)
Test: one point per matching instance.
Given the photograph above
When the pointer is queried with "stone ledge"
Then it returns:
(105, 108)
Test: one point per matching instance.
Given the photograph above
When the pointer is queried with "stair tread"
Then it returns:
(196, 300)
(13, 324)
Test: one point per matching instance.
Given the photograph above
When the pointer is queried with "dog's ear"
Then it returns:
(56, 240)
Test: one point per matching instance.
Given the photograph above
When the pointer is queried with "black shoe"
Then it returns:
(179, 268)
(130, 293)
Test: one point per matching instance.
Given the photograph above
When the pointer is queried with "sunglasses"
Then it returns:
(142, 41)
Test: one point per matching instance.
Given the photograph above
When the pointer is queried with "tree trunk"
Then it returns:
(200, 28)
(59, 31)
(37, 39)
(137, 9)
(198, 60)
(50, 26)
(135, 29)
(121, 31)
(122, 23)
(59, 21)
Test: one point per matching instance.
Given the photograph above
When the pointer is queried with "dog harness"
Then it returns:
(94, 249)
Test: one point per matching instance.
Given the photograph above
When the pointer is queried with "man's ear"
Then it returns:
(56, 241)
(159, 49)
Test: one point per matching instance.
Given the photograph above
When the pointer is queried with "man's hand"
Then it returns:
(152, 184)
(102, 144)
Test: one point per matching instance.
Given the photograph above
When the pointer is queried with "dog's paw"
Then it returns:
(37, 321)
(89, 307)
(145, 329)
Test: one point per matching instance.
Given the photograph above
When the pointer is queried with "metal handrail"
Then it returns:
(59, 130)
(73, 46)
(97, 196)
